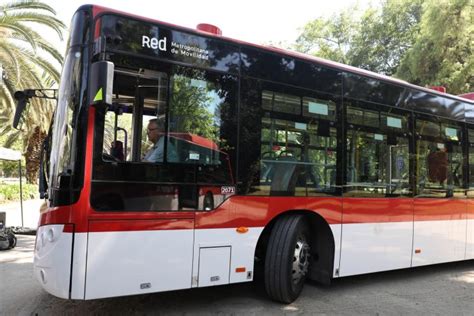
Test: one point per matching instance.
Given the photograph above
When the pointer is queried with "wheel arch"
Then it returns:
(323, 244)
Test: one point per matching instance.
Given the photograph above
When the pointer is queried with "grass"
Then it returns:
(11, 192)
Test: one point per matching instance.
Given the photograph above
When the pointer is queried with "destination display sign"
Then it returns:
(139, 37)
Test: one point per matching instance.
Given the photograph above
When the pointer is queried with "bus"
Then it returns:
(275, 164)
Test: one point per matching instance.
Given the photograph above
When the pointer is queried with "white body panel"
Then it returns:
(470, 239)
(52, 259)
(336, 232)
(136, 262)
(375, 247)
(439, 241)
(108, 264)
(79, 266)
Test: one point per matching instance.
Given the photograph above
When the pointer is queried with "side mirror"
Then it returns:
(101, 82)
(21, 100)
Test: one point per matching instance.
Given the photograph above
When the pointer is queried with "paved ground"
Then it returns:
(30, 213)
(443, 290)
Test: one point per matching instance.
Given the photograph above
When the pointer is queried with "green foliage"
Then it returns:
(444, 51)
(9, 169)
(384, 35)
(330, 37)
(427, 42)
(28, 62)
(24, 67)
(11, 192)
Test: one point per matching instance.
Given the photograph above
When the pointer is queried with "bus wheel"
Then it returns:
(287, 259)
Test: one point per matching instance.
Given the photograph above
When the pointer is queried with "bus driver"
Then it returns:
(155, 132)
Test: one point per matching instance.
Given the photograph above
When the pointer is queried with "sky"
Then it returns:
(247, 20)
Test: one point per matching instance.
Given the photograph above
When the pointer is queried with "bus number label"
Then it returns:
(228, 190)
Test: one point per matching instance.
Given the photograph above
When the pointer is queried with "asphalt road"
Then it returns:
(446, 289)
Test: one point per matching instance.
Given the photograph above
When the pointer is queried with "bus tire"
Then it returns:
(287, 258)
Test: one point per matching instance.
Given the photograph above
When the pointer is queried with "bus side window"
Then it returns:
(297, 152)
(439, 171)
(377, 153)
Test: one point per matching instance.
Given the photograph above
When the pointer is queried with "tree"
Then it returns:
(375, 39)
(384, 35)
(426, 42)
(24, 67)
(444, 50)
(329, 38)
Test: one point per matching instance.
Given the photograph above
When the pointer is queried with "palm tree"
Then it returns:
(25, 61)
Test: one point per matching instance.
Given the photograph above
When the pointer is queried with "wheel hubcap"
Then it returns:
(300, 260)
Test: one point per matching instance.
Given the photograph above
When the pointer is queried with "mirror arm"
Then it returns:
(41, 93)
(23, 96)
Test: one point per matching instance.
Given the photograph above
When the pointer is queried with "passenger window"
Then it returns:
(298, 153)
(281, 102)
(364, 117)
(439, 170)
(377, 154)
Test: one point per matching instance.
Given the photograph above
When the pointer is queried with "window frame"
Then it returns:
(388, 133)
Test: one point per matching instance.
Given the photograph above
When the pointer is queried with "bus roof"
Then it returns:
(97, 10)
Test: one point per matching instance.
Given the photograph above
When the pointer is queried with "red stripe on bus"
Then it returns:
(377, 210)
(252, 211)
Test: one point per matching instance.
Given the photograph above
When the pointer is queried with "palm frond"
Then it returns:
(19, 28)
(37, 61)
(38, 18)
(27, 5)
(43, 44)
(12, 64)
(12, 138)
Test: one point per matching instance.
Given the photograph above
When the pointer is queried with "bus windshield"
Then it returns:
(167, 125)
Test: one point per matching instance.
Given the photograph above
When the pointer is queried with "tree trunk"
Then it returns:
(32, 155)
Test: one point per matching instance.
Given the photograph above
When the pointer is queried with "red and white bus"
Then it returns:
(286, 165)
